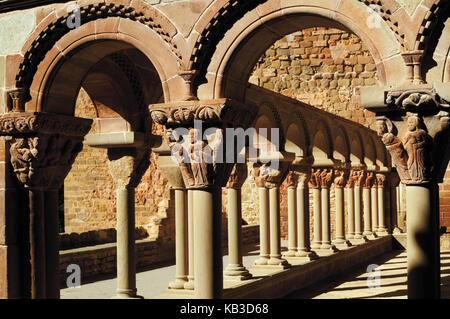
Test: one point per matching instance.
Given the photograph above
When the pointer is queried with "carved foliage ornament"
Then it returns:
(43, 147)
(224, 111)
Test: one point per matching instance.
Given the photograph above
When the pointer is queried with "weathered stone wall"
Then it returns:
(89, 191)
(444, 200)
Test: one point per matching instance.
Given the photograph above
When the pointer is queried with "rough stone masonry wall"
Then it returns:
(323, 67)
(89, 191)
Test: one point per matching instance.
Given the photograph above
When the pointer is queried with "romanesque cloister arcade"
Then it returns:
(151, 73)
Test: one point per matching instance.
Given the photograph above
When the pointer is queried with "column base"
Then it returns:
(358, 240)
(189, 285)
(178, 283)
(308, 255)
(370, 235)
(342, 243)
(261, 261)
(350, 236)
(127, 294)
(328, 247)
(277, 261)
(290, 253)
(397, 231)
(316, 245)
(236, 272)
(382, 231)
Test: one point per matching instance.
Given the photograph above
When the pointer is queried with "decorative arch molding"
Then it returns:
(321, 128)
(348, 15)
(341, 134)
(370, 151)
(302, 141)
(54, 27)
(356, 149)
(270, 111)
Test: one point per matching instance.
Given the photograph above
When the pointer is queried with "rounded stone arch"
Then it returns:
(297, 136)
(370, 151)
(341, 146)
(356, 149)
(54, 49)
(269, 133)
(322, 144)
(237, 50)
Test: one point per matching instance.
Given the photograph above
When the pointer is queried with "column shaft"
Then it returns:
(275, 240)
(340, 227)
(325, 210)
(37, 244)
(374, 208)
(367, 208)
(350, 212)
(303, 241)
(235, 269)
(52, 244)
(381, 211)
(292, 222)
(126, 266)
(423, 248)
(180, 240)
(264, 239)
(208, 248)
(317, 219)
(190, 200)
(358, 217)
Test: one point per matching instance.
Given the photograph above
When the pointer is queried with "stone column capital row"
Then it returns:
(321, 177)
(43, 146)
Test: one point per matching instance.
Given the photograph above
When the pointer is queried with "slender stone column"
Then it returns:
(181, 248)
(326, 176)
(374, 207)
(292, 181)
(208, 253)
(190, 284)
(52, 244)
(205, 171)
(420, 155)
(315, 184)
(266, 177)
(264, 239)
(275, 240)
(340, 180)
(42, 148)
(126, 165)
(303, 241)
(235, 269)
(381, 182)
(350, 192)
(394, 181)
(360, 176)
(367, 220)
(37, 244)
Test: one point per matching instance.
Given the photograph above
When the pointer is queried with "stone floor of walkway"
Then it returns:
(385, 278)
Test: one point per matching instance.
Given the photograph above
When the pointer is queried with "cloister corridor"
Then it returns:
(353, 284)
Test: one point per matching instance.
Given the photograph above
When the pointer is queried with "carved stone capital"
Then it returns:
(357, 177)
(341, 177)
(42, 146)
(380, 180)
(414, 99)
(321, 178)
(238, 176)
(227, 112)
(369, 180)
(270, 176)
(127, 166)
